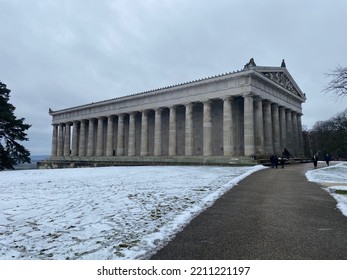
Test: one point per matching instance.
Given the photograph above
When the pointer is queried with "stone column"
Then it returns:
(289, 131)
(67, 139)
(100, 137)
(109, 137)
(248, 126)
(207, 129)
(120, 136)
(227, 127)
(75, 132)
(300, 136)
(239, 129)
(54, 141)
(268, 144)
(90, 151)
(259, 126)
(189, 130)
(60, 150)
(276, 129)
(295, 134)
(131, 149)
(82, 144)
(283, 127)
(157, 132)
(144, 134)
(172, 132)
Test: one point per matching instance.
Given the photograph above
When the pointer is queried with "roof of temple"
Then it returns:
(277, 75)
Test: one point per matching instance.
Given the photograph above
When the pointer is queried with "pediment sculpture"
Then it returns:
(282, 79)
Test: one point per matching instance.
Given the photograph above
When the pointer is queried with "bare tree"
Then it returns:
(338, 82)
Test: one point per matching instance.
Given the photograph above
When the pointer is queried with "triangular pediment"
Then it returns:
(282, 77)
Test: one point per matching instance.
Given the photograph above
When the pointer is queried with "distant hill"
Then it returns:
(33, 164)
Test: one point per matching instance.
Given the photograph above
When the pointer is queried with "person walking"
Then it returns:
(272, 161)
(315, 161)
(327, 159)
(276, 161)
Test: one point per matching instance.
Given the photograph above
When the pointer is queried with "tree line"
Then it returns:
(330, 136)
(327, 137)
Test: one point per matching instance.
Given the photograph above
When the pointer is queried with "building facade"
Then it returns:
(254, 111)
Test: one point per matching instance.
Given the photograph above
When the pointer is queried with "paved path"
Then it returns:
(272, 214)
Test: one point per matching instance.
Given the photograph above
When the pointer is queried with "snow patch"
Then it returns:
(336, 177)
(104, 213)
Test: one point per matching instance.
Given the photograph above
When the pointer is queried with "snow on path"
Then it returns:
(104, 213)
(335, 178)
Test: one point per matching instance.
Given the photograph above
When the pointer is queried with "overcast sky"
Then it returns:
(62, 53)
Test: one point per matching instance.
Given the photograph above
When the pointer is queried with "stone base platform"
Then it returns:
(70, 162)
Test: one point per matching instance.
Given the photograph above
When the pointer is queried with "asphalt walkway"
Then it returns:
(272, 214)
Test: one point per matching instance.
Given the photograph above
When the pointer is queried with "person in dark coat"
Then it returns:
(272, 161)
(282, 162)
(327, 159)
(276, 161)
(286, 153)
(315, 160)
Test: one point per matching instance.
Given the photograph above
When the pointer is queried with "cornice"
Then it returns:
(179, 86)
(255, 71)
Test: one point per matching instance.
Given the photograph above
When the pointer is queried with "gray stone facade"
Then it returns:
(254, 111)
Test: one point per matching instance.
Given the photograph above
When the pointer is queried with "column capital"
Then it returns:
(267, 101)
(172, 106)
(208, 101)
(248, 94)
(228, 98)
(257, 98)
(190, 104)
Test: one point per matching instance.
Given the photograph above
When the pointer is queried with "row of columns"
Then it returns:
(267, 129)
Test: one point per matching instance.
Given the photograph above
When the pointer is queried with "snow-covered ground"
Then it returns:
(116, 212)
(103, 213)
(333, 178)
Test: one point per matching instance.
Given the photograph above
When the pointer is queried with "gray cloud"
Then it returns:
(64, 53)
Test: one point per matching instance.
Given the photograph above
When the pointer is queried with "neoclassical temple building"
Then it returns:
(229, 118)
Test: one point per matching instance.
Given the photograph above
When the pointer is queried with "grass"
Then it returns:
(341, 192)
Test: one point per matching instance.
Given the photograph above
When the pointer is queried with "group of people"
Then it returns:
(275, 160)
(315, 160)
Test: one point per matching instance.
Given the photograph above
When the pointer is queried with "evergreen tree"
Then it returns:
(12, 130)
